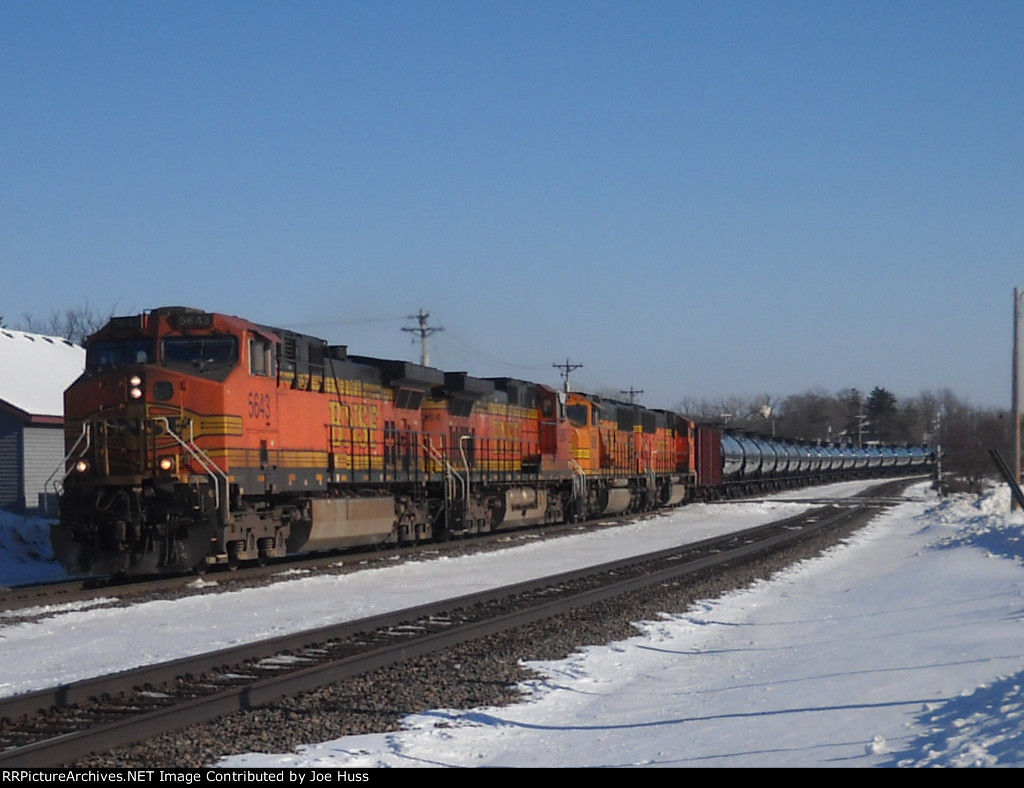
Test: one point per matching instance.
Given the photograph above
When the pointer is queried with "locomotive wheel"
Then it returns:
(233, 558)
(265, 546)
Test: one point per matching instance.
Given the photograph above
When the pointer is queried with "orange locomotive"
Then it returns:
(196, 438)
(629, 458)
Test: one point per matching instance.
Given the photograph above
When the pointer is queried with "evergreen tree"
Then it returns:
(882, 414)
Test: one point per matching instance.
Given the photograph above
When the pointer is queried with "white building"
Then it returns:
(34, 372)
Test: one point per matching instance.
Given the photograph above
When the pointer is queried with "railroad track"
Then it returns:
(88, 589)
(56, 726)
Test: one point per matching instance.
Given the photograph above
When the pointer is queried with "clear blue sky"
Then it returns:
(695, 199)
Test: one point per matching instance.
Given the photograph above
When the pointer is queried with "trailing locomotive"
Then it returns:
(196, 439)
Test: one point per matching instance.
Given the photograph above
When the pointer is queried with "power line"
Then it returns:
(337, 322)
(459, 341)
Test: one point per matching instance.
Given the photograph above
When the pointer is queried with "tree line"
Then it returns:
(965, 434)
(73, 324)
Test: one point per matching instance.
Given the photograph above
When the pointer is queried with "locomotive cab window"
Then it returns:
(577, 415)
(261, 356)
(120, 352)
(202, 353)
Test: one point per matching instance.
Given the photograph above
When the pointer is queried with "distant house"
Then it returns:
(34, 371)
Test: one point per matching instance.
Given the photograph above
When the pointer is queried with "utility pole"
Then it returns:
(424, 331)
(567, 368)
(1016, 392)
(631, 393)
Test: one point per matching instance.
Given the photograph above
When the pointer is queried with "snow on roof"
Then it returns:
(35, 370)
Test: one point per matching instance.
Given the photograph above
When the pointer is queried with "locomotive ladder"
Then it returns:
(652, 480)
(217, 476)
(579, 487)
(450, 477)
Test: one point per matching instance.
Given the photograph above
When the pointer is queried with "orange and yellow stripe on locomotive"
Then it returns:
(493, 438)
(308, 431)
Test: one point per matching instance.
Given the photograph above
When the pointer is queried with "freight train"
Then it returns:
(196, 439)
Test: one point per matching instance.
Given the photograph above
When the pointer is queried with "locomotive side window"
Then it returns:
(408, 399)
(261, 357)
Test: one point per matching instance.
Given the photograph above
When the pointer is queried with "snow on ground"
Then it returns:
(165, 630)
(25, 552)
(902, 647)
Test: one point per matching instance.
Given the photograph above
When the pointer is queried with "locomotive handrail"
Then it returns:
(211, 468)
(650, 471)
(62, 469)
(579, 485)
(450, 474)
(469, 475)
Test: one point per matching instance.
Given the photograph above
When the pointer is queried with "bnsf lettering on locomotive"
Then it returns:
(259, 406)
(506, 430)
(352, 423)
(355, 415)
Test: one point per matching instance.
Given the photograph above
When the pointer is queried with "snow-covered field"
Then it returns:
(901, 647)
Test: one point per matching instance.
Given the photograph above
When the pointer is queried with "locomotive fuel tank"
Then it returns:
(335, 523)
(520, 507)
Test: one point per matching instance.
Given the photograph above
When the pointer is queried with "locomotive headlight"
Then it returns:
(81, 466)
(135, 387)
(166, 463)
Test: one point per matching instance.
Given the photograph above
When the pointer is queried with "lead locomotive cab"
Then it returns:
(146, 486)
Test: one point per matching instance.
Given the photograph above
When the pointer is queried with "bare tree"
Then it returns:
(965, 433)
(756, 414)
(812, 416)
(967, 439)
(73, 324)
